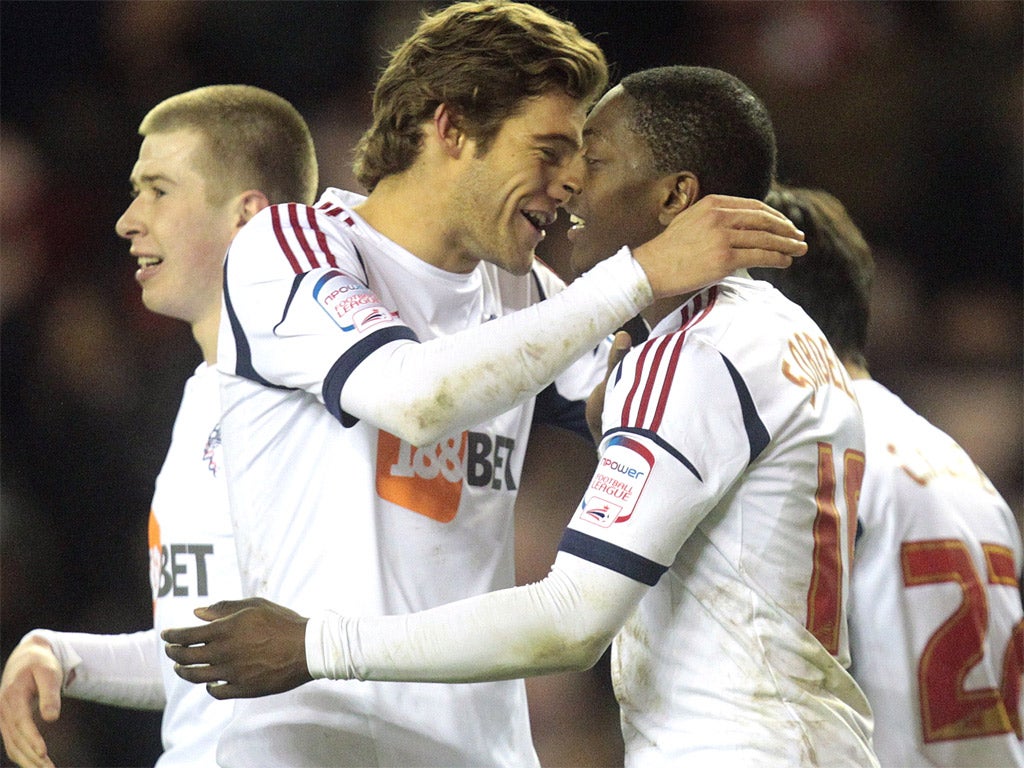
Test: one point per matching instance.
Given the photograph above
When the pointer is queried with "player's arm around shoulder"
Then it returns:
(31, 677)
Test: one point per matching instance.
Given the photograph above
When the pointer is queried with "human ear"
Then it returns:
(448, 130)
(250, 203)
(681, 191)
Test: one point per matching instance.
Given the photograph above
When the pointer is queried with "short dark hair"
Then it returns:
(254, 139)
(483, 59)
(832, 281)
(708, 122)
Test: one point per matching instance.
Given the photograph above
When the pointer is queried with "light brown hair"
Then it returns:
(254, 140)
(482, 59)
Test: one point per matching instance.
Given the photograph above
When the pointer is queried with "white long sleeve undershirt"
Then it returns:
(465, 378)
(122, 670)
(564, 622)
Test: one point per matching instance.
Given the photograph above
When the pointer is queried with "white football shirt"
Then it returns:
(936, 625)
(192, 563)
(350, 516)
(732, 456)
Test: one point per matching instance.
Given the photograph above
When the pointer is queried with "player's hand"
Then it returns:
(250, 648)
(713, 238)
(32, 678)
(595, 403)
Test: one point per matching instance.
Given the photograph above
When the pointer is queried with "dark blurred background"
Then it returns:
(910, 112)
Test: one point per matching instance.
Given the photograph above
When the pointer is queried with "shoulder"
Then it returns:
(293, 238)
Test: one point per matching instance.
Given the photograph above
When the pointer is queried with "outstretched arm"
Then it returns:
(564, 622)
(421, 392)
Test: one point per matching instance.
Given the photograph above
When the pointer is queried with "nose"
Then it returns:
(129, 224)
(571, 180)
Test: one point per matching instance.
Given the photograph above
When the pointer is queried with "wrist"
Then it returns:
(647, 264)
(52, 643)
(624, 270)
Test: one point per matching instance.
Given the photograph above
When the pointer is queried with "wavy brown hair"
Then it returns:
(482, 59)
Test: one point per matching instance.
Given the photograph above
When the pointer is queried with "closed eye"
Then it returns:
(550, 155)
(158, 192)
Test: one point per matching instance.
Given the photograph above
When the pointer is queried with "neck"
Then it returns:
(205, 333)
(411, 212)
(662, 308)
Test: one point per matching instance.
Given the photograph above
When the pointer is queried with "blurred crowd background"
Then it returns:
(910, 112)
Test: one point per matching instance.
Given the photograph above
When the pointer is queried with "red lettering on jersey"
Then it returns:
(950, 710)
(952, 463)
(812, 363)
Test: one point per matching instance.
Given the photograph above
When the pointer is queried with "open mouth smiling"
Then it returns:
(540, 219)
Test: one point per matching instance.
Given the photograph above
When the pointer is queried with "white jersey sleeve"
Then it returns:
(564, 622)
(732, 456)
(122, 670)
(301, 313)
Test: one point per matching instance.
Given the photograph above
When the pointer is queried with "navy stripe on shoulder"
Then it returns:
(757, 432)
(243, 352)
(348, 362)
(611, 556)
(655, 437)
(359, 256)
(296, 282)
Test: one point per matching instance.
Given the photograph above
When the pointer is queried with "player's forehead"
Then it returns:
(170, 155)
(610, 119)
(553, 117)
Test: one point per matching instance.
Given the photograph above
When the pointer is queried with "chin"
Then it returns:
(582, 262)
(520, 264)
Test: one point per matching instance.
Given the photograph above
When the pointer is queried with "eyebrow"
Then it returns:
(559, 138)
(149, 178)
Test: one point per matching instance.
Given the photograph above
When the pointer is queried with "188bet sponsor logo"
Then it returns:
(177, 570)
(429, 479)
(180, 570)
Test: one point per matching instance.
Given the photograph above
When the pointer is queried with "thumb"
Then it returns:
(621, 344)
(48, 685)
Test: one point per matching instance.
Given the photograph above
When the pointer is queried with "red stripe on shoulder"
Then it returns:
(637, 378)
(321, 238)
(330, 209)
(670, 372)
(652, 377)
(300, 233)
(702, 304)
(282, 241)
